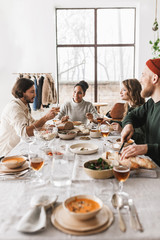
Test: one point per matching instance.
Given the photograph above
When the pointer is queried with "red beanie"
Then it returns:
(154, 65)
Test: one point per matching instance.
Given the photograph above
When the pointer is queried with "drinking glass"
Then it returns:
(28, 140)
(121, 173)
(104, 131)
(36, 163)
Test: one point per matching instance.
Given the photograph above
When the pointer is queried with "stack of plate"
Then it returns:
(68, 224)
(8, 168)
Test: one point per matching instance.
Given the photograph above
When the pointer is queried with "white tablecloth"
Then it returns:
(16, 195)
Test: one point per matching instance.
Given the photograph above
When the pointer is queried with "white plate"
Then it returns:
(84, 148)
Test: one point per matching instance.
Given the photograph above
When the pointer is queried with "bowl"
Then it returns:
(77, 123)
(95, 133)
(13, 161)
(67, 135)
(77, 206)
(97, 174)
(50, 153)
(45, 133)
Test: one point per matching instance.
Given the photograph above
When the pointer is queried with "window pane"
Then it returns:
(75, 26)
(75, 64)
(118, 27)
(115, 64)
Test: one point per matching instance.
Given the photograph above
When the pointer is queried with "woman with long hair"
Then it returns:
(131, 93)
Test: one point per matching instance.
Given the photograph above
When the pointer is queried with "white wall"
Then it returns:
(27, 42)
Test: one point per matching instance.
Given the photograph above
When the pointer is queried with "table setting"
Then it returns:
(123, 212)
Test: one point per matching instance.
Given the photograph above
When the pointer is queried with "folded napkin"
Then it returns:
(35, 219)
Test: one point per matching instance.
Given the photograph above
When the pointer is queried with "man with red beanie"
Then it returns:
(148, 114)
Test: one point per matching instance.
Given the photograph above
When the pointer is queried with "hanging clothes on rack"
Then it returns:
(35, 102)
(49, 93)
(39, 91)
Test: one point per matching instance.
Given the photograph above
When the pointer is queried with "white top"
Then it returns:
(77, 111)
(14, 119)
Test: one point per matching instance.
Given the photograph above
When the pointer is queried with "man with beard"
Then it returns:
(16, 120)
(148, 114)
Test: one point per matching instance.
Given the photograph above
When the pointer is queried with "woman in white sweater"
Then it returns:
(78, 109)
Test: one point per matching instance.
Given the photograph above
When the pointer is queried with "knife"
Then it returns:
(135, 215)
(121, 147)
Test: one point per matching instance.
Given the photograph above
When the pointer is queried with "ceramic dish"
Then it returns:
(76, 123)
(81, 202)
(97, 174)
(14, 161)
(94, 133)
(84, 148)
(58, 223)
(68, 222)
(67, 135)
(4, 169)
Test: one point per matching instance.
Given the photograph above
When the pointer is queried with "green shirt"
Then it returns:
(139, 133)
(148, 115)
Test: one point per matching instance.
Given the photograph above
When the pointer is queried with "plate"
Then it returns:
(4, 169)
(71, 223)
(84, 148)
(76, 123)
(87, 232)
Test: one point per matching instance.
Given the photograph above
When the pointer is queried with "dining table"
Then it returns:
(16, 193)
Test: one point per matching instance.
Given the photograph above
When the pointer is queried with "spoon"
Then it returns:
(117, 203)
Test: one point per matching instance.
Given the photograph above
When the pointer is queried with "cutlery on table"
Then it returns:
(121, 147)
(117, 203)
(14, 175)
(135, 215)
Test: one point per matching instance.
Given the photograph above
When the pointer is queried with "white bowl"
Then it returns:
(84, 148)
(67, 135)
(94, 133)
(86, 215)
(13, 161)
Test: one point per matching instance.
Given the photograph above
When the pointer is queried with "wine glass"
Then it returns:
(36, 163)
(121, 173)
(28, 140)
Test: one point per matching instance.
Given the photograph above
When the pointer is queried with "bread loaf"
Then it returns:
(136, 162)
(65, 126)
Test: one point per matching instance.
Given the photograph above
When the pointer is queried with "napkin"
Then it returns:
(36, 219)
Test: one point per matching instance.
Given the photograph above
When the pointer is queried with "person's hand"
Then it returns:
(116, 127)
(50, 115)
(64, 119)
(56, 109)
(127, 132)
(134, 150)
(89, 116)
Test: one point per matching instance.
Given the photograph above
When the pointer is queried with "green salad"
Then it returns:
(99, 164)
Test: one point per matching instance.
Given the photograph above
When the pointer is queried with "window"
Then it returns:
(98, 46)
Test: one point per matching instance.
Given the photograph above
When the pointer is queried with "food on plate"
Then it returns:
(99, 164)
(77, 122)
(45, 133)
(82, 205)
(84, 138)
(136, 162)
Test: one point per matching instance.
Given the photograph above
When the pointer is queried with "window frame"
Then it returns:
(96, 45)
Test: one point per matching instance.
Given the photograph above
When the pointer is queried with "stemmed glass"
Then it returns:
(28, 140)
(121, 173)
(36, 163)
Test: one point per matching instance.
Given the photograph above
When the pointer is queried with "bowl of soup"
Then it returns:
(83, 207)
(14, 161)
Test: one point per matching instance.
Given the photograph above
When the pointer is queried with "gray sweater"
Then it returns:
(77, 111)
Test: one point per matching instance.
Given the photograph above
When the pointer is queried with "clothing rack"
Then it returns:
(31, 73)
